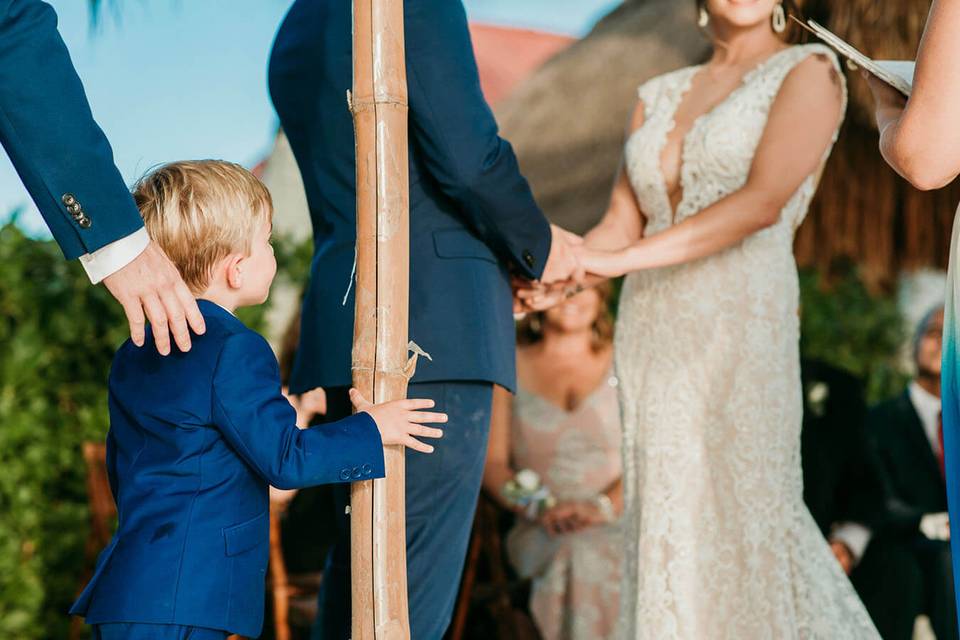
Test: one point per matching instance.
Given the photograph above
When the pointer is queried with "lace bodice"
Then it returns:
(719, 148)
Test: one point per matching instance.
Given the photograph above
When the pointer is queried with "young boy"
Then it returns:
(196, 438)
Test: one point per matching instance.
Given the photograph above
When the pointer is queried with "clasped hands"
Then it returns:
(571, 517)
(564, 275)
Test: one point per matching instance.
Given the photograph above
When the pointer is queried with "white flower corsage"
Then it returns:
(526, 491)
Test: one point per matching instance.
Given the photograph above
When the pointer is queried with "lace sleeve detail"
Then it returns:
(649, 93)
(661, 91)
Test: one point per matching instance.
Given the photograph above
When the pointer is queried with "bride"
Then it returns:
(719, 168)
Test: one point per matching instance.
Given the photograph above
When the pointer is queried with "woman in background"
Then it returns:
(564, 425)
(920, 139)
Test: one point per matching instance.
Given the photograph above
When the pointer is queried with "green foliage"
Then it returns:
(293, 258)
(58, 335)
(57, 338)
(843, 324)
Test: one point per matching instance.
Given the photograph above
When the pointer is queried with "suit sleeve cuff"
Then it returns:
(361, 449)
(110, 258)
(855, 536)
(375, 442)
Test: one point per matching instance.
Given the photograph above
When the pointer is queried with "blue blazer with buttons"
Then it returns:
(472, 215)
(47, 129)
(195, 439)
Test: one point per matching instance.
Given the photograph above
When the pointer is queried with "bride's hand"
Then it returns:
(608, 264)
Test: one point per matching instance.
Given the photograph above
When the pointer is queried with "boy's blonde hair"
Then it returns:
(200, 211)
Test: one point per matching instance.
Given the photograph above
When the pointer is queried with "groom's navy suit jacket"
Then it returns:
(472, 215)
(47, 129)
(195, 438)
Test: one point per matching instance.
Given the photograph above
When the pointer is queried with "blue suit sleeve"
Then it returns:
(48, 131)
(458, 138)
(260, 424)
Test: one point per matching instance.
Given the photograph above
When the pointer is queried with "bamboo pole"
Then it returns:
(379, 106)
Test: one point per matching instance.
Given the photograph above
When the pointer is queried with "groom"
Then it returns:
(473, 222)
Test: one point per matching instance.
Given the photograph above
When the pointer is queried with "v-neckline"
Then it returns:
(678, 99)
(585, 402)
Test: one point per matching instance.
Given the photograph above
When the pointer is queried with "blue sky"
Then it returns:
(172, 79)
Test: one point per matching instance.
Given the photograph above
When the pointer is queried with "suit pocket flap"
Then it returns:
(459, 243)
(246, 535)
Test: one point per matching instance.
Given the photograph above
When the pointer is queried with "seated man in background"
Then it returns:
(841, 483)
(907, 569)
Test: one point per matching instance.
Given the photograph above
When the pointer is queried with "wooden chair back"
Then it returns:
(102, 507)
(487, 589)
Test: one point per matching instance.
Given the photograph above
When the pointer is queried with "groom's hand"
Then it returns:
(529, 297)
(563, 263)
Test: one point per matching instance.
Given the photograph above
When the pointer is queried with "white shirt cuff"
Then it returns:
(854, 535)
(110, 258)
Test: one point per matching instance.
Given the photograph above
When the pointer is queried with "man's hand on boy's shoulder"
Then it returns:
(399, 421)
(150, 287)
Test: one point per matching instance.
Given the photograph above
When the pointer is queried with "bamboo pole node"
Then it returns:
(406, 372)
(360, 105)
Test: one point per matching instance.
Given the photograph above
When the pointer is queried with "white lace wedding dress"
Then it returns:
(719, 542)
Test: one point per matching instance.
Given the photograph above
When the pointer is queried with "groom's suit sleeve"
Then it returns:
(55, 145)
(457, 137)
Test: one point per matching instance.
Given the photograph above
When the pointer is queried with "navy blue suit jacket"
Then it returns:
(472, 215)
(195, 438)
(47, 129)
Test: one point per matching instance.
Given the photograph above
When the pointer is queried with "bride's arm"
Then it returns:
(623, 222)
(800, 128)
(621, 225)
(922, 141)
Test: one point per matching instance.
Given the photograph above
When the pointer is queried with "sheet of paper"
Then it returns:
(902, 68)
(897, 73)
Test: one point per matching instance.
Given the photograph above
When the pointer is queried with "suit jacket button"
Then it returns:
(528, 258)
(84, 222)
(345, 474)
(74, 208)
(356, 472)
(367, 469)
(68, 199)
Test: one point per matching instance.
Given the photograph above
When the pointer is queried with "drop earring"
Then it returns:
(535, 325)
(779, 18)
(704, 18)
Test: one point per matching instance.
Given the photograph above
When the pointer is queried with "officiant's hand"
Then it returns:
(890, 102)
(563, 262)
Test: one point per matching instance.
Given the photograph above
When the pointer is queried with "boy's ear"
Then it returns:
(234, 267)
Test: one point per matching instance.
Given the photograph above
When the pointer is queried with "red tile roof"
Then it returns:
(507, 56)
